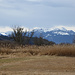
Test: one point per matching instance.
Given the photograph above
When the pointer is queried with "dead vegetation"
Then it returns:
(58, 50)
(37, 60)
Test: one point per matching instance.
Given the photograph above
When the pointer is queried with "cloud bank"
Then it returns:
(37, 13)
(6, 29)
(53, 3)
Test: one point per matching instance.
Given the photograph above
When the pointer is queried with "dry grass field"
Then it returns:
(38, 60)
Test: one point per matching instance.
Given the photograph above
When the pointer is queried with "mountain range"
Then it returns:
(56, 35)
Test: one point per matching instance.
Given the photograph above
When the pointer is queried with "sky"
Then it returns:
(37, 13)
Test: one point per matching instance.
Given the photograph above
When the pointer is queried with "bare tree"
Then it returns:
(19, 35)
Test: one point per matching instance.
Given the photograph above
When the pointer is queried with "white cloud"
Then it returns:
(52, 3)
(37, 13)
(5, 29)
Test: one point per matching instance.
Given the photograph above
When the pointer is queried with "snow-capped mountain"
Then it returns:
(57, 35)
(54, 32)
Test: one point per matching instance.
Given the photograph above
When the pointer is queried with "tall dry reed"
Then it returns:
(58, 50)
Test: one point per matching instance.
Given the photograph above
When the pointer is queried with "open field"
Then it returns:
(37, 65)
(38, 60)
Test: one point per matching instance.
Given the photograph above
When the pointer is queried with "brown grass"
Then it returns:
(58, 50)
(38, 65)
(38, 60)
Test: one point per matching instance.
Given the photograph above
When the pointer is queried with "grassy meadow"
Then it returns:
(37, 60)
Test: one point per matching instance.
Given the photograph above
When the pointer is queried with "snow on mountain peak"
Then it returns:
(52, 31)
(62, 28)
(55, 29)
(38, 29)
(4, 34)
(59, 28)
(61, 33)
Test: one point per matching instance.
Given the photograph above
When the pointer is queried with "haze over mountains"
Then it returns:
(57, 35)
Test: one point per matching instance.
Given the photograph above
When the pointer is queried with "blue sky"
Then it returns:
(37, 13)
